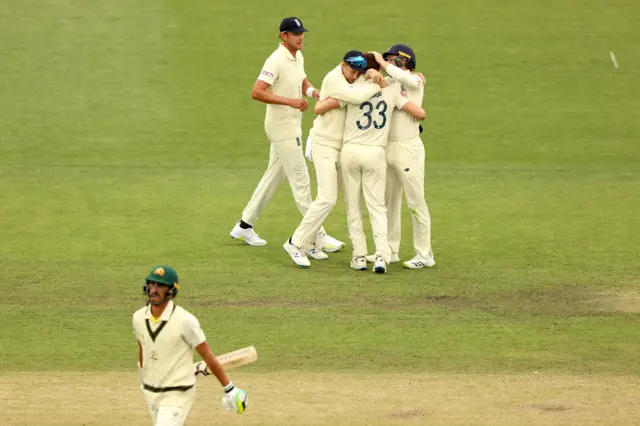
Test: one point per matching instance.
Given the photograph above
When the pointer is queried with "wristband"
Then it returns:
(310, 92)
(228, 388)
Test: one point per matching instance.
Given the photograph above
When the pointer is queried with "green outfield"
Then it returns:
(128, 137)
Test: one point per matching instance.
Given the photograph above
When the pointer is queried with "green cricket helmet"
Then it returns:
(163, 274)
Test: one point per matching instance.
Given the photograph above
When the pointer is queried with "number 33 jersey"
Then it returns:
(369, 122)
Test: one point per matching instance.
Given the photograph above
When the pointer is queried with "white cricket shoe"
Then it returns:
(371, 258)
(331, 245)
(296, 255)
(380, 266)
(249, 236)
(419, 262)
(318, 254)
(359, 264)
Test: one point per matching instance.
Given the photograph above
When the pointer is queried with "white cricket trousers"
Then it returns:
(326, 161)
(364, 170)
(286, 159)
(170, 410)
(406, 173)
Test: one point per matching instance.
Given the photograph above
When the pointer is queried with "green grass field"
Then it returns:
(128, 138)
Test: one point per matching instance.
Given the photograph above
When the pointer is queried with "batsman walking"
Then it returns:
(167, 335)
(280, 85)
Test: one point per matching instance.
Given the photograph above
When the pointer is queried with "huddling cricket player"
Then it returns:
(280, 85)
(405, 158)
(364, 166)
(345, 84)
(167, 335)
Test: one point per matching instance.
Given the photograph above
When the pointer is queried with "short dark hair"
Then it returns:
(371, 62)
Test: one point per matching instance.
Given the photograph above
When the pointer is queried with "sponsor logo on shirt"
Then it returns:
(267, 73)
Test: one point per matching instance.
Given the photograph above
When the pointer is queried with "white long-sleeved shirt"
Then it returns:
(328, 128)
(369, 123)
(404, 127)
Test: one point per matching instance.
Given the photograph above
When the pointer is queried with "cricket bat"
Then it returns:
(228, 361)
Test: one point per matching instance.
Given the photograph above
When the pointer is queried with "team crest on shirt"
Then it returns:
(403, 90)
(154, 355)
(298, 141)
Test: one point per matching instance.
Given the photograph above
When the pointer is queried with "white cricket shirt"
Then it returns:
(167, 348)
(404, 126)
(369, 122)
(285, 73)
(328, 128)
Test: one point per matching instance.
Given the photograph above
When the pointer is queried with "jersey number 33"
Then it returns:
(372, 115)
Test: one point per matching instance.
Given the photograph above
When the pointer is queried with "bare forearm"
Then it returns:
(216, 369)
(305, 85)
(269, 98)
(207, 355)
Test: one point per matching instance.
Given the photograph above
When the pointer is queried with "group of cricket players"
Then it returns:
(365, 139)
(366, 136)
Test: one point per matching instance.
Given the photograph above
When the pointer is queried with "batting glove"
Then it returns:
(235, 399)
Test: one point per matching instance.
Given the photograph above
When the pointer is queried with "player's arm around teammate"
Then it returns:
(326, 134)
(406, 158)
(167, 335)
(282, 83)
(363, 167)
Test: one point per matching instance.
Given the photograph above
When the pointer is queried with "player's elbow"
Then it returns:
(421, 114)
(255, 94)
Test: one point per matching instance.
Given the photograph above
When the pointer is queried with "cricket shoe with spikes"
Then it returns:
(248, 235)
(371, 258)
(296, 254)
(380, 266)
(359, 264)
(419, 262)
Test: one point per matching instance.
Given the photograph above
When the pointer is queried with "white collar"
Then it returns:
(166, 314)
(284, 51)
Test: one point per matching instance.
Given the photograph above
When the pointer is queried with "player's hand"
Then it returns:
(424, 80)
(384, 83)
(379, 59)
(374, 76)
(316, 95)
(300, 104)
(235, 399)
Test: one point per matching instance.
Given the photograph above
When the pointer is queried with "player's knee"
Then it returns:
(327, 200)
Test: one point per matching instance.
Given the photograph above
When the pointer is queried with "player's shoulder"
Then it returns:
(275, 57)
(184, 315)
(140, 312)
(138, 316)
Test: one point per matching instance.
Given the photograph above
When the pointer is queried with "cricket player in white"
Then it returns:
(167, 335)
(343, 83)
(405, 158)
(364, 167)
(280, 85)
